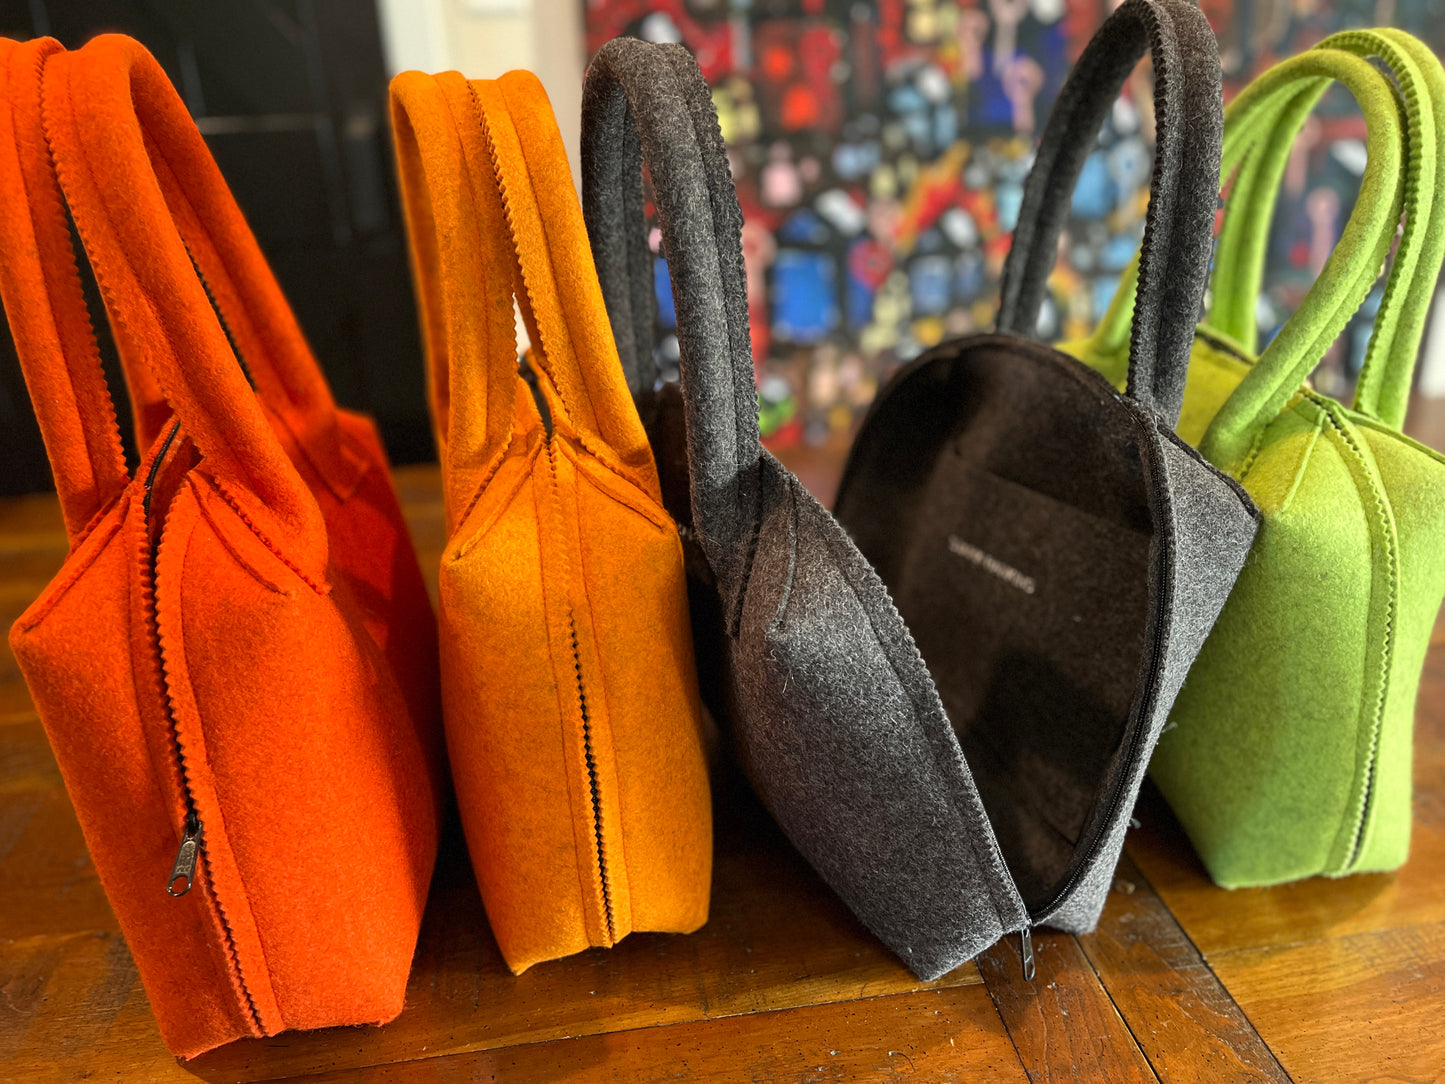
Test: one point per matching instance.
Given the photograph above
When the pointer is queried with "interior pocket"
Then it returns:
(1031, 616)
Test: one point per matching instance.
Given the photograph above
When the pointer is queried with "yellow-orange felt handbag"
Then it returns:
(569, 691)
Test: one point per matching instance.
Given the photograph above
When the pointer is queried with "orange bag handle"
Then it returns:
(572, 340)
(116, 128)
(45, 304)
(237, 276)
(493, 215)
(462, 265)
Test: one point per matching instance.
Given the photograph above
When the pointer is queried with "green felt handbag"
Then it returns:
(1288, 752)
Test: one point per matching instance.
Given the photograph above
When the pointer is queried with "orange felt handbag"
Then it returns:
(572, 714)
(235, 666)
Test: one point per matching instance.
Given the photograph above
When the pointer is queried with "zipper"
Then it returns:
(1329, 410)
(544, 410)
(594, 785)
(190, 856)
(1357, 842)
(1131, 750)
(184, 868)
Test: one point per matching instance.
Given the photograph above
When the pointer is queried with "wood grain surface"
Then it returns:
(1182, 981)
(1063, 1023)
(945, 1036)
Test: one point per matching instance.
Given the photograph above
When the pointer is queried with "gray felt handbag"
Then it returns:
(1057, 553)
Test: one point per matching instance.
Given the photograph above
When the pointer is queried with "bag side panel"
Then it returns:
(1213, 528)
(509, 697)
(311, 777)
(96, 685)
(637, 618)
(845, 740)
(1260, 762)
(1415, 484)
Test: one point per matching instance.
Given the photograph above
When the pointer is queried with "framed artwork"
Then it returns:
(879, 151)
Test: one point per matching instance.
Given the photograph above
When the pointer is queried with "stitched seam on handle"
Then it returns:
(55, 197)
(115, 311)
(1395, 293)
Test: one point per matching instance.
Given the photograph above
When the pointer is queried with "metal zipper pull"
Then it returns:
(1026, 943)
(185, 867)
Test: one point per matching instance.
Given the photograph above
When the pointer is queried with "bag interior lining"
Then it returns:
(1007, 511)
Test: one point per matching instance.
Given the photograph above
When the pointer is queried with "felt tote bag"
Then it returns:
(1289, 752)
(835, 714)
(232, 664)
(571, 704)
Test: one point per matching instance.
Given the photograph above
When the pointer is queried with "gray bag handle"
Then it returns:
(642, 102)
(616, 214)
(1174, 260)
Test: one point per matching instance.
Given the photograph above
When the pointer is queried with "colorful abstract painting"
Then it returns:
(880, 149)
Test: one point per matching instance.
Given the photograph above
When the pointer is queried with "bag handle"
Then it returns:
(45, 304)
(1259, 129)
(572, 338)
(616, 228)
(490, 202)
(1352, 267)
(1183, 192)
(463, 266)
(236, 275)
(99, 105)
(1383, 391)
(648, 104)
(1383, 388)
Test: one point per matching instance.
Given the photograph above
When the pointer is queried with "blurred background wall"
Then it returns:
(879, 150)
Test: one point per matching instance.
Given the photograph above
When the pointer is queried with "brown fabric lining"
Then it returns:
(1025, 589)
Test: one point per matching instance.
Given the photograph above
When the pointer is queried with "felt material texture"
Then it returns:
(237, 650)
(1290, 749)
(572, 711)
(830, 705)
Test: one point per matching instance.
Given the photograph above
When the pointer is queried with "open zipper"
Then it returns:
(1084, 855)
(191, 854)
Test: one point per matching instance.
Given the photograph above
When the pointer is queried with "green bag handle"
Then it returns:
(1383, 390)
(1245, 129)
(1260, 125)
(1251, 121)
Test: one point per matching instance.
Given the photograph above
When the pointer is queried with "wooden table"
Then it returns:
(1318, 981)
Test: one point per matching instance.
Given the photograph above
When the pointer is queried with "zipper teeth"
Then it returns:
(594, 785)
(592, 782)
(1081, 862)
(153, 620)
(1387, 648)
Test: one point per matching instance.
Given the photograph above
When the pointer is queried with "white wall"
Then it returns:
(484, 38)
